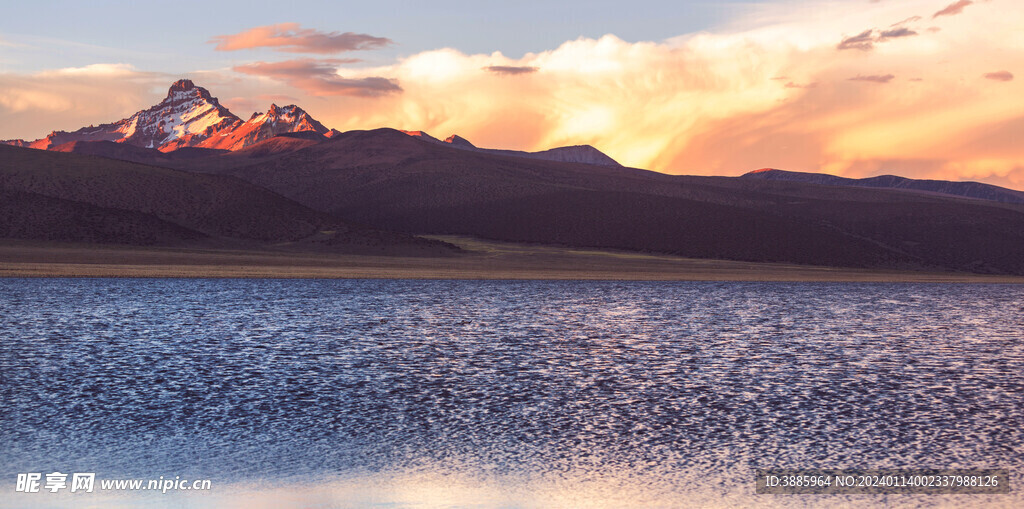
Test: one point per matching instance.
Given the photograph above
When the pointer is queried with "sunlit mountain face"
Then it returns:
(189, 116)
(262, 126)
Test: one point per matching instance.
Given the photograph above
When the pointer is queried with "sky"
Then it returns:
(919, 88)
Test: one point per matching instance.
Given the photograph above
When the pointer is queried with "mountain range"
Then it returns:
(188, 117)
(187, 173)
(574, 154)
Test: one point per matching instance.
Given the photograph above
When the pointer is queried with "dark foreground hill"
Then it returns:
(132, 153)
(33, 216)
(389, 180)
(976, 190)
(78, 198)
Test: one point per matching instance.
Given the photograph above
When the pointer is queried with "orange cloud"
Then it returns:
(772, 94)
(862, 41)
(999, 76)
(908, 20)
(874, 78)
(320, 77)
(510, 69)
(866, 40)
(953, 8)
(292, 38)
(894, 33)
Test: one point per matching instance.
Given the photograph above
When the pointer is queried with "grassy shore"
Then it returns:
(482, 260)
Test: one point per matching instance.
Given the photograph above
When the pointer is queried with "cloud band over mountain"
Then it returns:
(320, 77)
(291, 37)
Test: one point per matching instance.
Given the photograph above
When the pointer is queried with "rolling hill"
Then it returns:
(976, 190)
(72, 197)
(187, 170)
(389, 180)
(585, 154)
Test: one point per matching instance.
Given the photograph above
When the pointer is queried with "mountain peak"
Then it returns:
(186, 90)
(575, 154)
(190, 117)
(275, 121)
(762, 170)
(420, 134)
(181, 86)
(291, 109)
(458, 141)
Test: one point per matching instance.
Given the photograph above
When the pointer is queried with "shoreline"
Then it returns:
(484, 260)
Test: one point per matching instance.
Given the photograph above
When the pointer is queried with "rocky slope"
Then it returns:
(189, 116)
(389, 180)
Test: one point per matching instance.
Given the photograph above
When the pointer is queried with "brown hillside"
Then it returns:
(390, 180)
(155, 202)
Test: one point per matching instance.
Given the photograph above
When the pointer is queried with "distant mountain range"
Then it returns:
(190, 117)
(975, 190)
(186, 172)
(574, 154)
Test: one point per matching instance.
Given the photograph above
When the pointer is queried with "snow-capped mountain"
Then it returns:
(262, 126)
(185, 118)
(188, 117)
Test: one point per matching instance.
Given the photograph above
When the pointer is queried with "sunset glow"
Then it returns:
(919, 88)
(533, 254)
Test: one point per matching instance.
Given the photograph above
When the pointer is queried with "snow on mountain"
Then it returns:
(263, 126)
(185, 117)
(188, 117)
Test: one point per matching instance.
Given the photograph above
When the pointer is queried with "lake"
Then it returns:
(395, 393)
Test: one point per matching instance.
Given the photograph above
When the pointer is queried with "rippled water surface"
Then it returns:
(534, 394)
